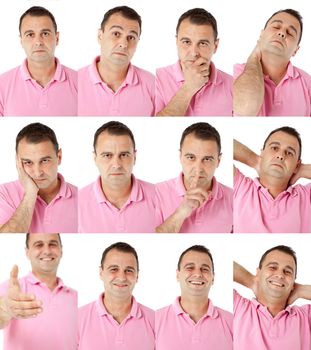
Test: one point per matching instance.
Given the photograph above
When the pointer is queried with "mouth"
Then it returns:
(277, 284)
(197, 283)
(277, 165)
(46, 259)
(278, 42)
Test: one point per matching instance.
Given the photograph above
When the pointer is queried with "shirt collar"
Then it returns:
(64, 190)
(288, 310)
(130, 79)
(290, 189)
(214, 78)
(216, 189)
(136, 194)
(59, 74)
(211, 310)
(31, 278)
(291, 72)
(135, 311)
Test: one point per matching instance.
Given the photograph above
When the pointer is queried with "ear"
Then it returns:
(257, 274)
(59, 156)
(57, 38)
(219, 159)
(177, 275)
(99, 36)
(297, 166)
(101, 272)
(216, 45)
(135, 152)
(298, 47)
(27, 252)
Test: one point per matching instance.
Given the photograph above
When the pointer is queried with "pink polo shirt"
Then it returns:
(21, 95)
(256, 211)
(175, 330)
(98, 215)
(291, 97)
(213, 99)
(135, 96)
(54, 328)
(60, 215)
(215, 216)
(255, 328)
(98, 330)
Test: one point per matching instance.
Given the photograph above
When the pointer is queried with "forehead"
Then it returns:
(43, 148)
(279, 257)
(195, 257)
(287, 19)
(192, 30)
(44, 237)
(116, 257)
(36, 23)
(117, 19)
(195, 145)
(108, 141)
(284, 139)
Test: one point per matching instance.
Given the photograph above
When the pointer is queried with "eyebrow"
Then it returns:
(121, 152)
(276, 263)
(126, 267)
(278, 144)
(121, 28)
(42, 30)
(29, 160)
(49, 242)
(192, 264)
(280, 21)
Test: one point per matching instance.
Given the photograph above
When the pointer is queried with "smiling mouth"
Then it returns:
(197, 283)
(277, 284)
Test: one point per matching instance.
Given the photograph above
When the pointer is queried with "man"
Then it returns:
(38, 311)
(270, 200)
(115, 201)
(40, 200)
(193, 322)
(268, 84)
(193, 86)
(269, 322)
(111, 85)
(116, 320)
(41, 86)
(195, 201)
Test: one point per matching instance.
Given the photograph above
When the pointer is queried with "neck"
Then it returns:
(42, 72)
(273, 305)
(117, 195)
(48, 194)
(195, 307)
(274, 185)
(113, 75)
(49, 279)
(274, 66)
(118, 308)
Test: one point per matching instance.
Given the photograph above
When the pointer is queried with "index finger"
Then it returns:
(13, 281)
(194, 182)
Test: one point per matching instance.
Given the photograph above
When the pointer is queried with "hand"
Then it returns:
(27, 182)
(257, 52)
(299, 174)
(17, 304)
(196, 74)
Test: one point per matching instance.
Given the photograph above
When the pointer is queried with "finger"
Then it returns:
(198, 191)
(20, 297)
(194, 181)
(13, 281)
(26, 313)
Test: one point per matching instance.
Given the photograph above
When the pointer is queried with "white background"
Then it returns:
(239, 26)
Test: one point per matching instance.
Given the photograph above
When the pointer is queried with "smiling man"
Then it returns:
(41, 86)
(269, 322)
(268, 84)
(36, 308)
(194, 201)
(116, 320)
(37, 201)
(193, 86)
(111, 85)
(271, 200)
(115, 201)
(193, 322)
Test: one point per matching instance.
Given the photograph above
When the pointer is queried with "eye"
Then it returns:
(116, 34)
(45, 161)
(29, 35)
(288, 272)
(124, 155)
(289, 153)
(208, 159)
(45, 34)
(131, 38)
(205, 270)
(190, 157)
(274, 148)
(186, 42)
(129, 271)
(26, 162)
(272, 268)
(106, 155)
(203, 43)
(113, 269)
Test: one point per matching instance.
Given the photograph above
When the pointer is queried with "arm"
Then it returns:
(300, 291)
(21, 219)
(196, 75)
(304, 171)
(243, 154)
(243, 277)
(16, 304)
(248, 88)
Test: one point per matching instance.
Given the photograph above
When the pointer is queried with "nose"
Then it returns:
(116, 162)
(281, 33)
(37, 170)
(123, 42)
(38, 40)
(121, 275)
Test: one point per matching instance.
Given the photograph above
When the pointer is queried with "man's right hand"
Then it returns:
(196, 74)
(27, 182)
(17, 304)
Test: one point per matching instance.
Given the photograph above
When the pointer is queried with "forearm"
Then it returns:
(178, 105)
(243, 154)
(242, 276)
(249, 90)
(306, 171)
(172, 224)
(5, 318)
(21, 219)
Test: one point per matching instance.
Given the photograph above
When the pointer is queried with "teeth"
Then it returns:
(197, 283)
(277, 284)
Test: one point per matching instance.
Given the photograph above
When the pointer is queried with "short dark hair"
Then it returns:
(202, 131)
(293, 13)
(199, 16)
(36, 133)
(199, 249)
(126, 12)
(27, 240)
(290, 131)
(121, 247)
(37, 11)
(281, 248)
(114, 128)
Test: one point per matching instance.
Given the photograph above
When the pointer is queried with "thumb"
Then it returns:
(13, 282)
